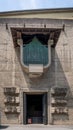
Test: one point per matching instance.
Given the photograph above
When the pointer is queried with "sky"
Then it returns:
(10, 5)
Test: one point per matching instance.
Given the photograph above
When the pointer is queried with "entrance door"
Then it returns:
(35, 109)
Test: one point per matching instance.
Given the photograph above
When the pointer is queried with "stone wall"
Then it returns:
(59, 74)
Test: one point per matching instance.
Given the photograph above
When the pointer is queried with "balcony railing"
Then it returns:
(35, 54)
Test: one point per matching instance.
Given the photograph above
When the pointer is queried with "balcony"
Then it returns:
(33, 53)
(35, 57)
(35, 70)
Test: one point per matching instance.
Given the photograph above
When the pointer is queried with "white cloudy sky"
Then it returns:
(8, 5)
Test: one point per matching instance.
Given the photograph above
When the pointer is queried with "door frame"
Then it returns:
(45, 106)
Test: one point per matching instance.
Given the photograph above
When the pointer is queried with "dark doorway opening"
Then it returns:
(35, 108)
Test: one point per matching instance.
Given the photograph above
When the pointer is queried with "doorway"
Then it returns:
(35, 109)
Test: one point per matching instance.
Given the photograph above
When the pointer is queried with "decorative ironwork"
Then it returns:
(35, 53)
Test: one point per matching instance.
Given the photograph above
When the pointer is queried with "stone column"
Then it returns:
(21, 107)
(49, 108)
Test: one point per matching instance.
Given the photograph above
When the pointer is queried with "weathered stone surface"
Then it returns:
(60, 73)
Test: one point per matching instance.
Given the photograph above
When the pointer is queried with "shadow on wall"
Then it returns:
(62, 71)
(3, 126)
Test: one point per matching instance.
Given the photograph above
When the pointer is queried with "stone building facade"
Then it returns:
(44, 97)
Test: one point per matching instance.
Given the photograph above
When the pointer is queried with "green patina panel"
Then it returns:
(35, 53)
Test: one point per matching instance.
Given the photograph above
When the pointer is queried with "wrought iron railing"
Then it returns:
(35, 53)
